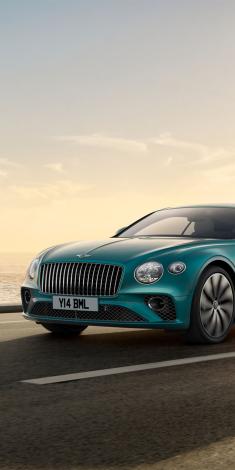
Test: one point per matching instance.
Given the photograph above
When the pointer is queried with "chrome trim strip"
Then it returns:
(96, 286)
(56, 277)
(46, 277)
(88, 279)
(106, 278)
(72, 279)
(111, 280)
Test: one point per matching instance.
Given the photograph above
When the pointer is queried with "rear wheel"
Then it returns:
(213, 307)
(64, 330)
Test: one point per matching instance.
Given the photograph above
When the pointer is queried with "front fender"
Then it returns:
(210, 261)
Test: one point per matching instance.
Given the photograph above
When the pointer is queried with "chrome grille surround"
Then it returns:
(83, 279)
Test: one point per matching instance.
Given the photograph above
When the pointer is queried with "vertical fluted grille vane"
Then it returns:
(85, 279)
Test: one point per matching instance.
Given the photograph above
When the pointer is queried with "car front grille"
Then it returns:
(114, 313)
(86, 279)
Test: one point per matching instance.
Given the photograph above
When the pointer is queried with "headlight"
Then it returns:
(177, 268)
(32, 271)
(149, 272)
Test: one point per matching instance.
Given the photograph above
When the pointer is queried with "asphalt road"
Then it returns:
(180, 417)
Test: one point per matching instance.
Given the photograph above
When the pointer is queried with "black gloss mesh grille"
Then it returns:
(106, 313)
(168, 312)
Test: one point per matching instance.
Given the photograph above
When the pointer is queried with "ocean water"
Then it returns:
(13, 267)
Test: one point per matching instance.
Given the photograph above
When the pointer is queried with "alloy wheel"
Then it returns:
(216, 305)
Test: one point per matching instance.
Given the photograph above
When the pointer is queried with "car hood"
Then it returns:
(116, 249)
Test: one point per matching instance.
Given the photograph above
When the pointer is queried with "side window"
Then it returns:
(167, 226)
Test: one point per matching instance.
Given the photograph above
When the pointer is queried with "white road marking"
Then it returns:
(12, 321)
(126, 369)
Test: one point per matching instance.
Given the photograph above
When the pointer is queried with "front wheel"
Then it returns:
(64, 330)
(212, 312)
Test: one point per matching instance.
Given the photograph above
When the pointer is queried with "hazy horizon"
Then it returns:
(110, 110)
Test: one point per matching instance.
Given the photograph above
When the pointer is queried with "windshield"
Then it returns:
(207, 222)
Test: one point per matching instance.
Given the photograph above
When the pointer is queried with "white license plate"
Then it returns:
(83, 304)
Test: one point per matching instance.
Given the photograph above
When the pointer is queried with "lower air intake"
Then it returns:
(114, 313)
(165, 307)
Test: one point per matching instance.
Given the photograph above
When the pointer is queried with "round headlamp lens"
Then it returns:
(33, 268)
(177, 268)
(149, 272)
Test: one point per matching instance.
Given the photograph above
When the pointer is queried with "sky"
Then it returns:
(110, 109)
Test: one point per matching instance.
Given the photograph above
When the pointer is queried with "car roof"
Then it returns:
(203, 206)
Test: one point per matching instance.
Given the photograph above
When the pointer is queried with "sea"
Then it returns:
(13, 268)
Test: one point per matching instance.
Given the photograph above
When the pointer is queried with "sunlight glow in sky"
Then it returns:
(109, 110)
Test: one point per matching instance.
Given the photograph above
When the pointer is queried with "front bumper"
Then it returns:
(124, 310)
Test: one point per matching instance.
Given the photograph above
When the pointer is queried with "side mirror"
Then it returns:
(119, 231)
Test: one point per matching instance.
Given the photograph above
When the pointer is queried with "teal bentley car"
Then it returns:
(172, 269)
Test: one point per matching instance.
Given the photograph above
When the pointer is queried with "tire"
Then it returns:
(64, 330)
(213, 311)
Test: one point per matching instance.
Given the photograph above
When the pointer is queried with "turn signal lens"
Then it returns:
(177, 268)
